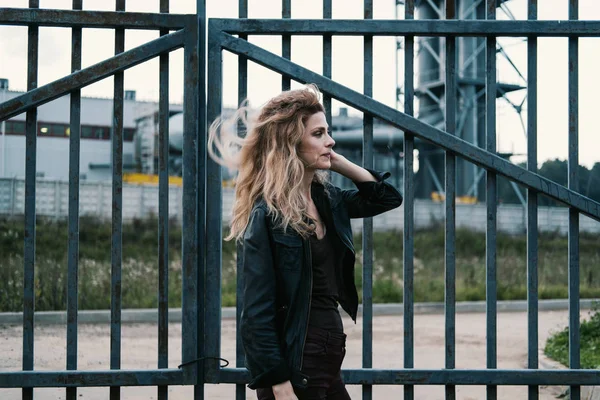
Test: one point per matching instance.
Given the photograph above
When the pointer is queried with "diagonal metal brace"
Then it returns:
(92, 74)
(462, 148)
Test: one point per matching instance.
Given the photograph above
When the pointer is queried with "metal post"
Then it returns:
(367, 240)
(30, 211)
(74, 161)
(573, 238)
(491, 202)
(286, 42)
(3, 131)
(532, 205)
(327, 14)
(192, 263)
(163, 211)
(240, 389)
(450, 203)
(409, 203)
(214, 206)
(117, 212)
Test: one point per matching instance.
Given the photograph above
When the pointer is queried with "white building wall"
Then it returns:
(511, 218)
(52, 160)
(94, 111)
(53, 152)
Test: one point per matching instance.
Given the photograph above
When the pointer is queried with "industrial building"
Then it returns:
(140, 148)
(53, 131)
(140, 139)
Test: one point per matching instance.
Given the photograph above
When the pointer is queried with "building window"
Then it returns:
(64, 130)
(86, 132)
(95, 132)
(14, 127)
(54, 130)
(102, 133)
(59, 130)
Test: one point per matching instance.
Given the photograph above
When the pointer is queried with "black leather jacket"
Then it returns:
(278, 278)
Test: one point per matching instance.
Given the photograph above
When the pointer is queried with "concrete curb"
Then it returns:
(151, 315)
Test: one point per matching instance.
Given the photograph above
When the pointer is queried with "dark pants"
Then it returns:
(323, 355)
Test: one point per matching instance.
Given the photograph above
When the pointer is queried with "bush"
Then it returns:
(557, 346)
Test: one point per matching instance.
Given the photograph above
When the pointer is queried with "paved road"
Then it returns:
(139, 351)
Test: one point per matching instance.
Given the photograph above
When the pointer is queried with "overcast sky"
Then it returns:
(55, 45)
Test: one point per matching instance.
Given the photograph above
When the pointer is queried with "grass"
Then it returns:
(140, 265)
(557, 346)
(470, 266)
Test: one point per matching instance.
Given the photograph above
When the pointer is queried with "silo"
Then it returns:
(430, 61)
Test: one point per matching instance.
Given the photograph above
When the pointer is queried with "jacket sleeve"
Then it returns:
(371, 198)
(260, 339)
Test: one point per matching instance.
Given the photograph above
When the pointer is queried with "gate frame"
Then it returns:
(202, 197)
(189, 34)
(220, 37)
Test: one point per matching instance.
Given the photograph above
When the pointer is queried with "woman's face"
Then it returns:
(315, 148)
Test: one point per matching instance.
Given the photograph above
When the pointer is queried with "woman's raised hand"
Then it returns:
(343, 166)
(336, 161)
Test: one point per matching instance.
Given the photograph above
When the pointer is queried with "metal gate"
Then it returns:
(177, 31)
(201, 333)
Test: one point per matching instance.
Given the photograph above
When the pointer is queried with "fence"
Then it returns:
(141, 201)
(222, 38)
(202, 197)
(95, 199)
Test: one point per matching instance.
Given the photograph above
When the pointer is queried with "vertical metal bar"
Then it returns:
(192, 219)
(574, 345)
(30, 176)
(409, 203)
(163, 211)
(532, 205)
(240, 389)
(195, 123)
(74, 158)
(327, 60)
(367, 390)
(450, 205)
(491, 202)
(117, 212)
(200, 138)
(214, 205)
(286, 41)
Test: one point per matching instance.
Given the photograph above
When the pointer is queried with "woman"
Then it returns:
(298, 256)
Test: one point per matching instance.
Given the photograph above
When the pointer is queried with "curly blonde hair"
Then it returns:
(267, 158)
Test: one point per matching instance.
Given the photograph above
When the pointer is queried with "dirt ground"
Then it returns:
(139, 351)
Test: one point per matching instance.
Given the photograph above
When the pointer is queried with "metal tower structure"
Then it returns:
(430, 87)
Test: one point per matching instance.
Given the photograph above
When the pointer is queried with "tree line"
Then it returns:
(556, 170)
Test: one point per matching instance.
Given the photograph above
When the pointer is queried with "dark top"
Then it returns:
(324, 312)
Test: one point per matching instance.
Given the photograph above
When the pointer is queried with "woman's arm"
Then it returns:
(259, 332)
(347, 168)
(284, 391)
(373, 195)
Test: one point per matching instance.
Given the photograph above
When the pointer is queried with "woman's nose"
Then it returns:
(331, 142)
